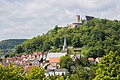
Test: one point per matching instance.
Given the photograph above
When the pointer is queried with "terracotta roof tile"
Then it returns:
(54, 60)
(19, 58)
(37, 53)
(91, 59)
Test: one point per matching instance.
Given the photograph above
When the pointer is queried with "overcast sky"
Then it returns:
(29, 18)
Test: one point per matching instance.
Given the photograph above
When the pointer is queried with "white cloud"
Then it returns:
(28, 18)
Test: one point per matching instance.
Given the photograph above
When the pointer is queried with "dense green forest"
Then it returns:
(10, 44)
(95, 38)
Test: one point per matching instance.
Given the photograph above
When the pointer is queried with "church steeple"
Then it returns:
(65, 45)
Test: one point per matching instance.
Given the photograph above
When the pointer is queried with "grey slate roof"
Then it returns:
(55, 55)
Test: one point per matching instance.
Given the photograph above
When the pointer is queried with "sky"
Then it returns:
(24, 19)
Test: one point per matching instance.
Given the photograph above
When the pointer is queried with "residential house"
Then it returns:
(98, 59)
(11, 60)
(19, 60)
(25, 59)
(49, 72)
(91, 60)
(59, 72)
(37, 54)
(94, 61)
(76, 56)
(55, 55)
(35, 62)
(53, 63)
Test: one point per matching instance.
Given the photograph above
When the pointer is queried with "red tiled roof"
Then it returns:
(54, 60)
(37, 53)
(91, 59)
(12, 59)
(27, 55)
(19, 58)
(9, 58)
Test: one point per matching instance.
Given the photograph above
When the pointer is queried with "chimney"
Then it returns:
(78, 18)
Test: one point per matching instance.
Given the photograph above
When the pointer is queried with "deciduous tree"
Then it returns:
(109, 67)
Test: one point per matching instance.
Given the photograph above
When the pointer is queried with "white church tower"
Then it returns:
(64, 50)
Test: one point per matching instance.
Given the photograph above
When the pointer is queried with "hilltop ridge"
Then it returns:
(10, 44)
(95, 38)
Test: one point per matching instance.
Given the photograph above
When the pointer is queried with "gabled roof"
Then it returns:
(91, 59)
(55, 55)
(19, 58)
(12, 59)
(54, 60)
(38, 53)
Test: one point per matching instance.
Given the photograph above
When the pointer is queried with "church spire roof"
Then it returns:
(65, 45)
(65, 42)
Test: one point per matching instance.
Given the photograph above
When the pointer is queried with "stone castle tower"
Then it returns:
(78, 18)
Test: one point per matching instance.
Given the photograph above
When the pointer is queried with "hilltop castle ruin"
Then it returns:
(79, 21)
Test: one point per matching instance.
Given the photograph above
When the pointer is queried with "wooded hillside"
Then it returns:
(96, 37)
(10, 43)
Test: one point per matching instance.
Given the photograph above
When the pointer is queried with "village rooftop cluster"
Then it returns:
(48, 60)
